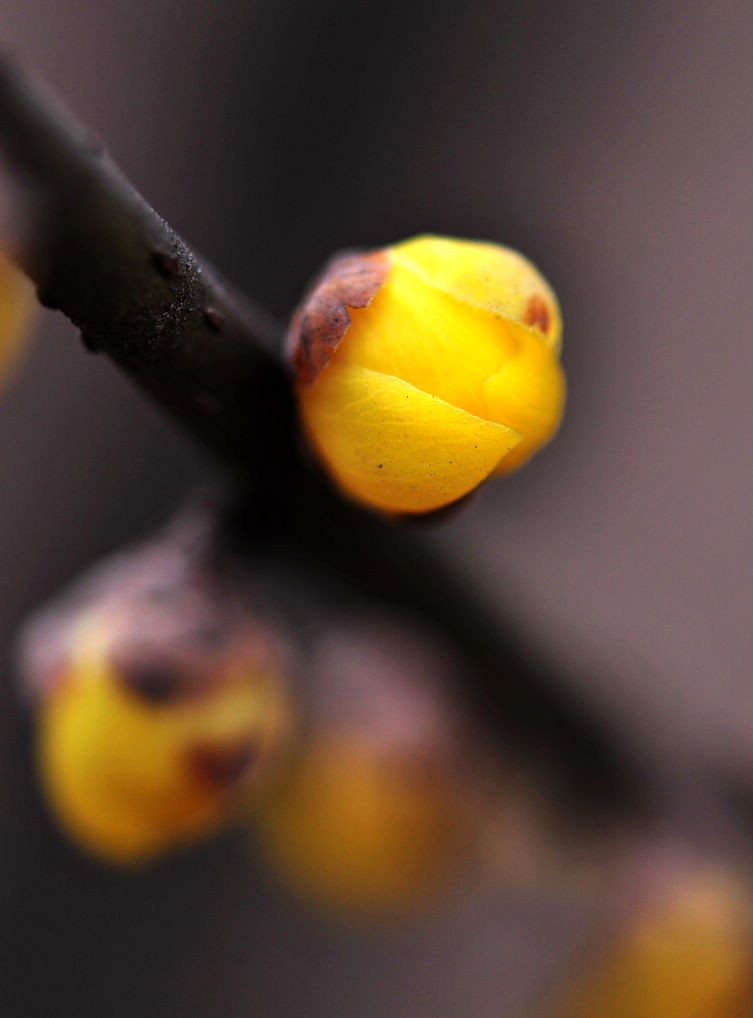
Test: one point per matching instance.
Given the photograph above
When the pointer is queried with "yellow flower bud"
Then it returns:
(16, 307)
(425, 368)
(687, 954)
(371, 815)
(353, 829)
(160, 710)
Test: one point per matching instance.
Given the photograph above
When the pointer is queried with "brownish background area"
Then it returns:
(613, 143)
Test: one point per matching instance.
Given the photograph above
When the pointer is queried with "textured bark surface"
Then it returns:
(137, 292)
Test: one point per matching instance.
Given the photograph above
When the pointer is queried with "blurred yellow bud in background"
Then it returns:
(161, 709)
(355, 830)
(688, 953)
(427, 367)
(370, 816)
(129, 777)
(17, 304)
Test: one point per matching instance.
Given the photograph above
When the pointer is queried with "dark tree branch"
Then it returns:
(138, 293)
(99, 253)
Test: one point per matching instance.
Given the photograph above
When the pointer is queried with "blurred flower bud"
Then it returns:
(424, 368)
(372, 815)
(685, 952)
(16, 309)
(162, 703)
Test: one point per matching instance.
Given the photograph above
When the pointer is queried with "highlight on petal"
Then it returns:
(390, 444)
(488, 276)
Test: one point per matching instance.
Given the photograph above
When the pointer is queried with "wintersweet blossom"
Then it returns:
(425, 368)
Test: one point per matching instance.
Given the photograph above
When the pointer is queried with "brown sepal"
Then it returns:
(321, 321)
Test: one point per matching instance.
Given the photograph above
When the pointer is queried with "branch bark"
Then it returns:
(138, 293)
(99, 253)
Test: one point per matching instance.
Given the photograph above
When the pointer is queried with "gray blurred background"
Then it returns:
(613, 144)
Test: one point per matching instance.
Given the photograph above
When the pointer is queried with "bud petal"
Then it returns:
(449, 453)
(426, 368)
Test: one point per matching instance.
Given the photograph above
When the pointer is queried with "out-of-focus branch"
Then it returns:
(517, 690)
(138, 293)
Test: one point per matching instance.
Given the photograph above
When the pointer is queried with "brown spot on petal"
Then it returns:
(155, 683)
(220, 766)
(537, 314)
(321, 321)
